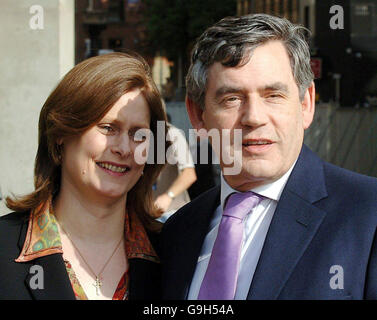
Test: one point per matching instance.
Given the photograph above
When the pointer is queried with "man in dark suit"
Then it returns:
(285, 225)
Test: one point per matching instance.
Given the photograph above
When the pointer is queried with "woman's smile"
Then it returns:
(114, 169)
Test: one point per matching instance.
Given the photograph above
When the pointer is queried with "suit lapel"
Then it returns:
(185, 253)
(46, 278)
(292, 228)
(144, 279)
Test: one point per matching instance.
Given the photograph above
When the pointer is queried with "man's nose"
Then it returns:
(253, 113)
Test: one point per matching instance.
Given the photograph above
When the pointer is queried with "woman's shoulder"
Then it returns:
(11, 225)
(14, 219)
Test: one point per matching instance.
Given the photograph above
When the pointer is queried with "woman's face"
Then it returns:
(100, 163)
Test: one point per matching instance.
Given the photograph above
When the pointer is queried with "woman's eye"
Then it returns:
(107, 129)
(139, 135)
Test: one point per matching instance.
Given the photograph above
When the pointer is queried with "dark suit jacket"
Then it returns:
(15, 277)
(326, 216)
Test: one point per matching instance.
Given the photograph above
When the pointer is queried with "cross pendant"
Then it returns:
(98, 285)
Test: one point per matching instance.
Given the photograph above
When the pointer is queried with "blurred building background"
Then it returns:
(344, 61)
(33, 60)
(37, 49)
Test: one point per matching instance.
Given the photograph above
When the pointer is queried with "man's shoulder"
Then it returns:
(351, 195)
(337, 180)
(341, 180)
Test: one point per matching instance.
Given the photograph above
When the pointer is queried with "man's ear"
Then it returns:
(308, 106)
(195, 114)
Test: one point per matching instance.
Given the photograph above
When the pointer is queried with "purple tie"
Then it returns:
(220, 279)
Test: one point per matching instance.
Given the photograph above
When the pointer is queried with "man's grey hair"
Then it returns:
(231, 42)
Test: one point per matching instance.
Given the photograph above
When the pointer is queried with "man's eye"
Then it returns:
(234, 100)
(274, 95)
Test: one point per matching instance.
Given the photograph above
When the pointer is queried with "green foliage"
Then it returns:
(173, 25)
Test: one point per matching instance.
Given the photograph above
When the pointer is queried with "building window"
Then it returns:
(115, 11)
(116, 44)
(363, 20)
(276, 7)
(307, 17)
(259, 6)
(246, 7)
(281, 7)
(111, 10)
(294, 11)
(289, 9)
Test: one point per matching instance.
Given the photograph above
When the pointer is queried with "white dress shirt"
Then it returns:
(256, 226)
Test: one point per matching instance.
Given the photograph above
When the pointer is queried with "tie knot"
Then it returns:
(240, 203)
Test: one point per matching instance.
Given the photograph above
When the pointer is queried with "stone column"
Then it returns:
(37, 49)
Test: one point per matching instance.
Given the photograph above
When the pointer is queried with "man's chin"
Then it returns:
(247, 179)
(257, 169)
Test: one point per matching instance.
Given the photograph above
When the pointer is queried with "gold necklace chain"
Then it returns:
(98, 283)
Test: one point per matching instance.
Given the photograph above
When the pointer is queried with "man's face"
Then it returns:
(262, 99)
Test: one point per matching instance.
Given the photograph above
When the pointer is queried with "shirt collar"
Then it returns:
(137, 241)
(271, 190)
(43, 238)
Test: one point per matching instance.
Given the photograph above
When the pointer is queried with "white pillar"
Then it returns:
(37, 49)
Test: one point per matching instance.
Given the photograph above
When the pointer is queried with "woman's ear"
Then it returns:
(59, 141)
(59, 150)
